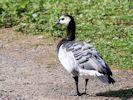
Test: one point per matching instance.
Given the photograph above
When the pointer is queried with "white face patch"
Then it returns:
(64, 20)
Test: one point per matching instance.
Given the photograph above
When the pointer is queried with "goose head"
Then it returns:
(69, 22)
(65, 20)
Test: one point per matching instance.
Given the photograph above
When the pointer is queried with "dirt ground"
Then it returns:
(30, 70)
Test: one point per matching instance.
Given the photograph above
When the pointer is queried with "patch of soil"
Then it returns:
(30, 70)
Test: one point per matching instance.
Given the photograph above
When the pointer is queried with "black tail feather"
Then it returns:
(111, 80)
(106, 79)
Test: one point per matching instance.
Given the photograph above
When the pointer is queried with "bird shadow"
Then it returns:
(122, 93)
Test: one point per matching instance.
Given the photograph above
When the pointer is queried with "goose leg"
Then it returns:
(86, 81)
(76, 82)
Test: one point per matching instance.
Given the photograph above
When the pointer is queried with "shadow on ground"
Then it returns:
(122, 93)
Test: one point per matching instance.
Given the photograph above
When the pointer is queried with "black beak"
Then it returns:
(57, 23)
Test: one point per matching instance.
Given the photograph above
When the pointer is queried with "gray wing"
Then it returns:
(87, 57)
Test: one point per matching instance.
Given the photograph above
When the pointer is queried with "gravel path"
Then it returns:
(29, 70)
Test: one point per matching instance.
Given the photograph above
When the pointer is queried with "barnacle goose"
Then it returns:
(81, 58)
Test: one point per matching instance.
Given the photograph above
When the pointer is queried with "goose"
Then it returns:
(80, 58)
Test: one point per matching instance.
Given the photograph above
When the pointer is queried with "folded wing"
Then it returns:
(84, 56)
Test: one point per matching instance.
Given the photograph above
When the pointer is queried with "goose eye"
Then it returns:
(62, 19)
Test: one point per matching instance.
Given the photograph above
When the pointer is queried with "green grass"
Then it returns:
(106, 23)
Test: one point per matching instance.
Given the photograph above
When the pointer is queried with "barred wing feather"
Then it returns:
(83, 56)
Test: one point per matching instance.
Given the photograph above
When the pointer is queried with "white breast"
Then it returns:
(67, 59)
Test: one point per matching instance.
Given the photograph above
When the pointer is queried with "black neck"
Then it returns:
(71, 31)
